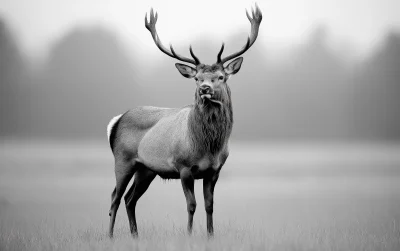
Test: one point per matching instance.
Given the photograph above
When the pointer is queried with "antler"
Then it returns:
(255, 25)
(151, 26)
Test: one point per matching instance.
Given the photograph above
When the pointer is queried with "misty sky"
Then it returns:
(359, 23)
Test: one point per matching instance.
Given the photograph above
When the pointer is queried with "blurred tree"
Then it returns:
(377, 92)
(316, 97)
(12, 74)
(88, 79)
(304, 99)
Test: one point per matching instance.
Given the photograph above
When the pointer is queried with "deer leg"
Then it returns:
(112, 198)
(208, 190)
(188, 189)
(123, 174)
(143, 178)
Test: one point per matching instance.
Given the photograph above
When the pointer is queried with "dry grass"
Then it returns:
(60, 201)
(49, 236)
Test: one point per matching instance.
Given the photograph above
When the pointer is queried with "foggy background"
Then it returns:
(307, 84)
(314, 157)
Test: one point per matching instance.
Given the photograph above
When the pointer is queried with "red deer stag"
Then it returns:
(185, 143)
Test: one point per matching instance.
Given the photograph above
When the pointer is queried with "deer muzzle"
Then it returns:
(206, 91)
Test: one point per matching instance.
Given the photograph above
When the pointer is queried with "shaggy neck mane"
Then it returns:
(210, 124)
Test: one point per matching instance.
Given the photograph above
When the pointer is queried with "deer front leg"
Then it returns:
(208, 190)
(188, 189)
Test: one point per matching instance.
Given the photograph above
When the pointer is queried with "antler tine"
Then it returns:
(255, 22)
(248, 16)
(220, 53)
(194, 56)
(151, 26)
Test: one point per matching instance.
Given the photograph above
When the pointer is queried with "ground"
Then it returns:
(55, 195)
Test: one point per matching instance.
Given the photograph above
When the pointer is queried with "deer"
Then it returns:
(187, 143)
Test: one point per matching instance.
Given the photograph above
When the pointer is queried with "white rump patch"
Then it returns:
(111, 124)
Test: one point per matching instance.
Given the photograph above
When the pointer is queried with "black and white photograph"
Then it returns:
(200, 125)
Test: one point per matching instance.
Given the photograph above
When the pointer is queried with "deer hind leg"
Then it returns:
(188, 189)
(142, 181)
(112, 198)
(123, 174)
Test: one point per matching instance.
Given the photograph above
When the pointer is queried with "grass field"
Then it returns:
(56, 196)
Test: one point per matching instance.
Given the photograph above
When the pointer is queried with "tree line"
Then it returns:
(90, 76)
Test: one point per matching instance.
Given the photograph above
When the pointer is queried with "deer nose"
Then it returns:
(205, 89)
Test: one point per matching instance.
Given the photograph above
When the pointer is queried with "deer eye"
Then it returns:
(196, 79)
(221, 78)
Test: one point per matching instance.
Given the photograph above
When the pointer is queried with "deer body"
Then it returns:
(162, 140)
(185, 143)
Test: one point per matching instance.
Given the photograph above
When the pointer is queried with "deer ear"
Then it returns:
(186, 71)
(234, 66)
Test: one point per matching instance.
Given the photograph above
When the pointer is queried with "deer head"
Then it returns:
(211, 80)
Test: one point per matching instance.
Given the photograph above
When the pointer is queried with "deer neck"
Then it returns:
(210, 124)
